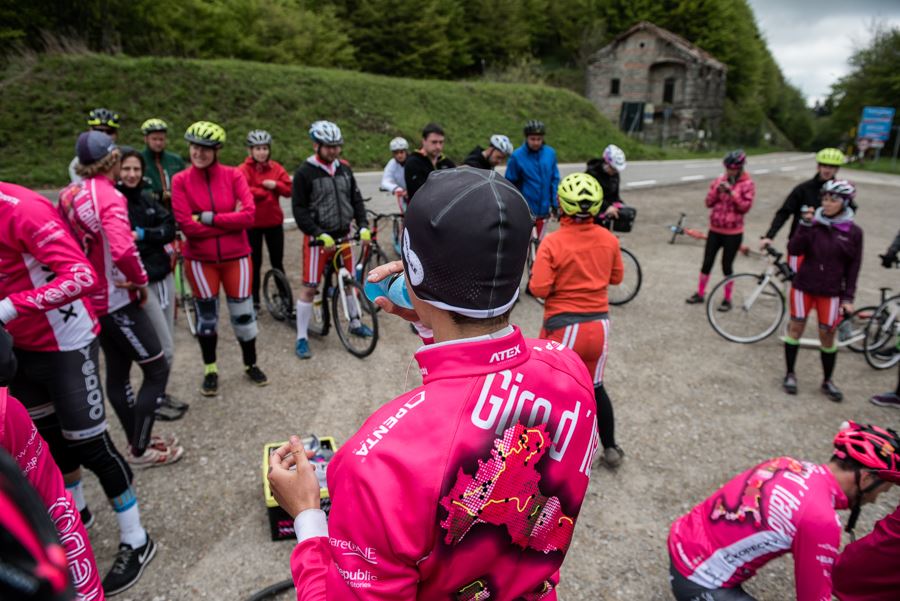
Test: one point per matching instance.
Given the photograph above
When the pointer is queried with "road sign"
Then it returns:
(876, 123)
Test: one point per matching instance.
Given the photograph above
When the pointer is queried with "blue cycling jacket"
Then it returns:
(536, 175)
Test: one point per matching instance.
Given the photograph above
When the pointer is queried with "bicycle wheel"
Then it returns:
(356, 324)
(397, 233)
(631, 282)
(757, 308)
(186, 300)
(852, 330)
(883, 335)
(277, 295)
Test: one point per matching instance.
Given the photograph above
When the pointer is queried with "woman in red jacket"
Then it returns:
(729, 198)
(214, 208)
(268, 182)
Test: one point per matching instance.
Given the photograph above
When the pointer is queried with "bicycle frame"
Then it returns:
(679, 229)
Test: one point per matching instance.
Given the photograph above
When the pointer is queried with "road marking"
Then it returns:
(643, 182)
(760, 171)
(690, 178)
(788, 169)
(696, 166)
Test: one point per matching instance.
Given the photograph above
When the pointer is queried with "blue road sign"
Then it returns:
(876, 123)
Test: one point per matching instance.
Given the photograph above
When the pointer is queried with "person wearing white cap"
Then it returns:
(392, 179)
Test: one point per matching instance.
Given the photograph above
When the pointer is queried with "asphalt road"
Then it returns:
(692, 410)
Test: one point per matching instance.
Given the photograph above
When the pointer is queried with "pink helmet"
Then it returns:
(873, 447)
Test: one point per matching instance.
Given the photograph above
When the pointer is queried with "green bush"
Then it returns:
(45, 102)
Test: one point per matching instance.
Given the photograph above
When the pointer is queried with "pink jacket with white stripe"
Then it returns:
(98, 216)
(780, 506)
(467, 487)
(44, 276)
(20, 438)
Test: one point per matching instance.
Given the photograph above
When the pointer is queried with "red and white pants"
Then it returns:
(590, 339)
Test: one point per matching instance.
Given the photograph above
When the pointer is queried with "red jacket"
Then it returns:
(726, 215)
(223, 191)
(268, 209)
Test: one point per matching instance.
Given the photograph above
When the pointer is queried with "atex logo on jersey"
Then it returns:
(347, 547)
(387, 425)
(506, 354)
(505, 399)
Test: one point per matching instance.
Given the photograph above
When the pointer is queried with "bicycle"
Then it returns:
(882, 333)
(278, 296)
(375, 256)
(679, 229)
(348, 303)
(627, 289)
(759, 305)
(184, 297)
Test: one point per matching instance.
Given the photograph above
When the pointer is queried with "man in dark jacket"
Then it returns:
(497, 151)
(161, 165)
(805, 194)
(426, 159)
(325, 198)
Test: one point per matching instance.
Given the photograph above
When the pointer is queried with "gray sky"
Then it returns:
(812, 40)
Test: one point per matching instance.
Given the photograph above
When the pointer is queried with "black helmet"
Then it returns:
(535, 128)
(102, 117)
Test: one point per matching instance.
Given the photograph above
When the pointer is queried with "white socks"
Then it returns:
(131, 532)
(77, 492)
(304, 313)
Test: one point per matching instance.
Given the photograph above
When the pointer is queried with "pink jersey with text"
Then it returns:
(98, 216)
(20, 438)
(779, 506)
(44, 276)
(467, 487)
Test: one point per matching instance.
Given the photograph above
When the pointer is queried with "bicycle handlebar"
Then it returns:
(337, 241)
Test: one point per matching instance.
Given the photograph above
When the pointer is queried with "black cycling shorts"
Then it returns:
(65, 383)
(129, 330)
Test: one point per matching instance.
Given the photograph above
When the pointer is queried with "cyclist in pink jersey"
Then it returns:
(468, 486)
(781, 505)
(867, 569)
(54, 336)
(20, 438)
(97, 213)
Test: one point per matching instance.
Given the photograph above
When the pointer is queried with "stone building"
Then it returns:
(657, 86)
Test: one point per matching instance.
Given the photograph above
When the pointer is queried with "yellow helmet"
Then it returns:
(205, 133)
(830, 156)
(580, 194)
(153, 124)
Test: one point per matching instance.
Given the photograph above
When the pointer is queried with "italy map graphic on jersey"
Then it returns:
(505, 492)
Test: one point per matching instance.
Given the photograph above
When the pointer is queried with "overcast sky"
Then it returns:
(812, 40)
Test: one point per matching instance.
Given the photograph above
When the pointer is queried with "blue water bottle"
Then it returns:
(393, 287)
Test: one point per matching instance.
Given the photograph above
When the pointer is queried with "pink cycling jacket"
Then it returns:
(727, 209)
(43, 276)
(98, 216)
(223, 191)
(779, 506)
(467, 487)
(21, 439)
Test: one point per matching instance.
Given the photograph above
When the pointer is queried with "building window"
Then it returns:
(614, 87)
(669, 90)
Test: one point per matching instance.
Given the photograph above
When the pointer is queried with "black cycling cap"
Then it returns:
(465, 242)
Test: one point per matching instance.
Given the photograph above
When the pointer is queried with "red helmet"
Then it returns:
(873, 447)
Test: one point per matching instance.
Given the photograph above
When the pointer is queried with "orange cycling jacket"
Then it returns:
(574, 266)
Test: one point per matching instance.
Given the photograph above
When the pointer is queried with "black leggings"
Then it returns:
(61, 390)
(274, 237)
(126, 337)
(685, 590)
(729, 243)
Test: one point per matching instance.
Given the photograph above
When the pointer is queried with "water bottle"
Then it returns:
(393, 287)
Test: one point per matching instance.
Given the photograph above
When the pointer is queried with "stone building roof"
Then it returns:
(674, 39)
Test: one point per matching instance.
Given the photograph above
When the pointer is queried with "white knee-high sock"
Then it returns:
(304, 313)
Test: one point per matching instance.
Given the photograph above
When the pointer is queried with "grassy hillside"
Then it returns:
(45, 102)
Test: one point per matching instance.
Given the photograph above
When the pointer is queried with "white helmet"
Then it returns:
(259, 137)
(399, 144)
(502, 143)
(326, 132)
(615, 157)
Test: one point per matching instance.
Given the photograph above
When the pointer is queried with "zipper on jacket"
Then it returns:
(212, 207)
(337, 197)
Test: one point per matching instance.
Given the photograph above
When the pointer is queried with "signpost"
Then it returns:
(874, 128)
